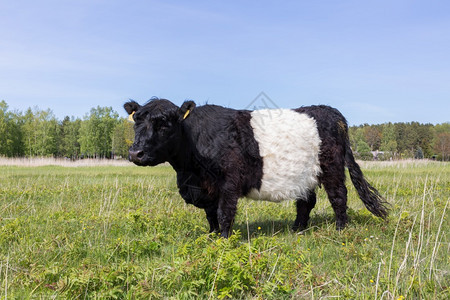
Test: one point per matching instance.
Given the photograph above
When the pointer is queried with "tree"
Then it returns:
(442, 141)
(102, 133)
(418, 154)
(40, 132)
(426, 136)
(70, 134)
(96, 132)
(356, 134)
(403, 138)
(122, 138)
(372, 136)
(10, 132)
(363, 147)
(4, 120)
(388, 141)
(363, 151)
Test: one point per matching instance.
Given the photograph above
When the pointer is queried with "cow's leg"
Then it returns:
(226, 213)
(334, 184)
(304, 207)
(211, 215)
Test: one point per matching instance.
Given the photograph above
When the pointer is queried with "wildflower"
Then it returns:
(259, 228)
(371, 281)
(343, 244)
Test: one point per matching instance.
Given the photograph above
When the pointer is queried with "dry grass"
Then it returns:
(398, 164)
(91, 162)
(49, 161)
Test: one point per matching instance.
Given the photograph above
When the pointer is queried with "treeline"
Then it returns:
(103, 134)
(100, 134)
(401, 140)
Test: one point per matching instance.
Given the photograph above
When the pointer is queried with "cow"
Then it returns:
(221, 154)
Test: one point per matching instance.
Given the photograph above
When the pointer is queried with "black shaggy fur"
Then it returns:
(213, 152)
(335, 154)
(216, 157)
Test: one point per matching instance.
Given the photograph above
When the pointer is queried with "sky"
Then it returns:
(375, 61)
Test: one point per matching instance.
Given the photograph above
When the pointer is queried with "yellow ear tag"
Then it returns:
(186, 114)
(130, 117)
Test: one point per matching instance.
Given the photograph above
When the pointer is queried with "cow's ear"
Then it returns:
(131, 106)
(187, 108)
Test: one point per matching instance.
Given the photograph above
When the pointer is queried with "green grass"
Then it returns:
(125, 233)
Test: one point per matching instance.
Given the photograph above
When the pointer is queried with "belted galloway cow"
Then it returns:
(222, 154)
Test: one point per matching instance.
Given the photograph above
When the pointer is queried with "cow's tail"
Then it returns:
(371, 198)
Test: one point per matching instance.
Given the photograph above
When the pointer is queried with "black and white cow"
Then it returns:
(221, 154)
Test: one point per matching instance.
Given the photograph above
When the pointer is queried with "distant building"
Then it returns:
(376, 154)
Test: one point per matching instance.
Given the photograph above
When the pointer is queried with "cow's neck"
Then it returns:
(182, 160)
(184, 157)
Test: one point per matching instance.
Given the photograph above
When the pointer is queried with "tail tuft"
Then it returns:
(369, 195)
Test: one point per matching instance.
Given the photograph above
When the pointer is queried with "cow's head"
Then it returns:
(157, 130)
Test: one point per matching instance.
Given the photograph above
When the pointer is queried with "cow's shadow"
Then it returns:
(322, 221)
(280, 226)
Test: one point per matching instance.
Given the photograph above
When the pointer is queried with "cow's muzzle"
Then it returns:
(136, 156)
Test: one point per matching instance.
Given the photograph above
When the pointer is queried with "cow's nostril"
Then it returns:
(136, 155)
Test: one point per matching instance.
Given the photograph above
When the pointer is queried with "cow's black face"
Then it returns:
(157, 131)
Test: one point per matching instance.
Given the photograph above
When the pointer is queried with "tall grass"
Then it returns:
(123, 233)
(64, 162)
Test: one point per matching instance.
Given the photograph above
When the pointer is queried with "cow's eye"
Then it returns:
(165, 124)
(161, 124)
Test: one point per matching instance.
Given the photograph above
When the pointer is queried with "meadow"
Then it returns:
(123, 232)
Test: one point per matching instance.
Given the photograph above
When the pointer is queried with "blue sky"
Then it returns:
(376, 61)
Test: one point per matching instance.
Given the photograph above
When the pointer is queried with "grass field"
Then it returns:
(123, 232)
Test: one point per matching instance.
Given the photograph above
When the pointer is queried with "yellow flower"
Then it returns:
(259, 228)
(371, 281)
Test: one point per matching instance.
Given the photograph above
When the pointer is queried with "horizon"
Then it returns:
(60, 119)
